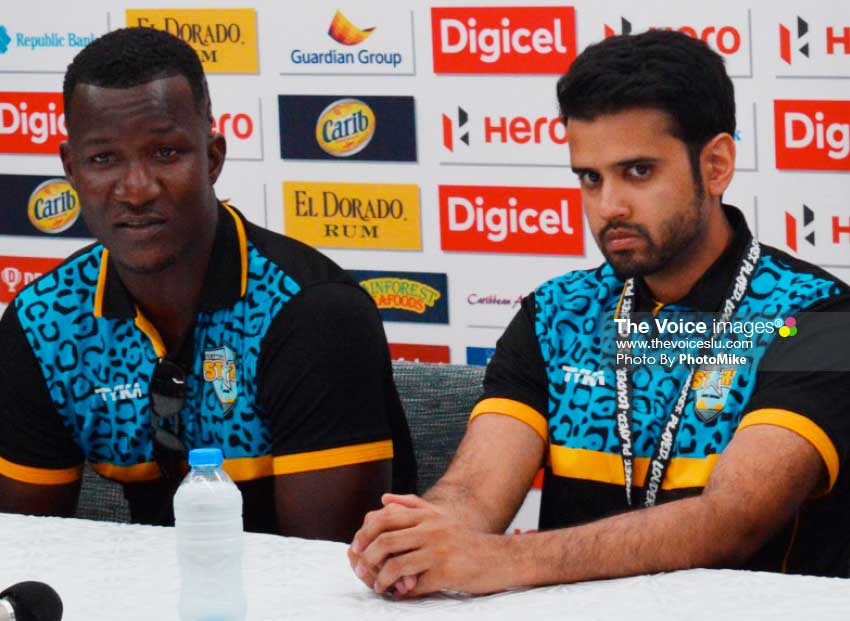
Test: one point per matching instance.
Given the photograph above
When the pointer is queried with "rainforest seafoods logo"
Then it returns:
(401, 294)
(353, 215)
(53, 206)
(345, 127)
(225, 39)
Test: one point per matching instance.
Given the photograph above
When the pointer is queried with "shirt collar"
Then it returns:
(225, 281)
(710, 290)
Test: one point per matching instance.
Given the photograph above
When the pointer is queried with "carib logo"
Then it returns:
(345, 127)
(54, 206)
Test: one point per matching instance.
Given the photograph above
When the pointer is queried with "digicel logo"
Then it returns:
(511, 219)
(32, 123)
(17, 272)
(420, 353)
(812, 135)
(536, 40)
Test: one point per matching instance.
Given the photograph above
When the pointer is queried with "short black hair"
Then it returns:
(132, 56)
(664, 70)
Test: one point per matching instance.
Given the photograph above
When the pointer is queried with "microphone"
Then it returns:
(30, 601)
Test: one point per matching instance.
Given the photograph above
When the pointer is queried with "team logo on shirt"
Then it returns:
(220, 371)
(711, 387)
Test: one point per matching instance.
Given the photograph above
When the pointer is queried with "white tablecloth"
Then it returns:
(119, 572)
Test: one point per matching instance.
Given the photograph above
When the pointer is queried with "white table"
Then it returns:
(119, 572)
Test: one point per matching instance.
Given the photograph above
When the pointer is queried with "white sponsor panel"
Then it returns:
(727, 31)
(808, 42)
(239, 119)
(46, 41)
(746, 147)
(331, 40)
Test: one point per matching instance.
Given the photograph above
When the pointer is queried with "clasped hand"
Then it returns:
(413, 547)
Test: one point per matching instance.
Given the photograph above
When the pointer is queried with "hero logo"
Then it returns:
(504, 130)
(240, 125)
(511, 219)
(724, 39)
(836, 40)
(517, 40)
(812, 135)
(839, 230)
(31, 123)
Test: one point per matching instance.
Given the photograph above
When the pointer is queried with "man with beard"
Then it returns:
(187, 326)
(731, 452)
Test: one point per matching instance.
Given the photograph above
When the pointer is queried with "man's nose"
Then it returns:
(136, 185)
(613, 201)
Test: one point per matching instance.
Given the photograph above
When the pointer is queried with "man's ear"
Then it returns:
(67, 162)
(717, 162)
(216, 152)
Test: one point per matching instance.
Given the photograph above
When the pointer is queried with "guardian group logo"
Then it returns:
(359, 41)
(347, 128)
(420, 297)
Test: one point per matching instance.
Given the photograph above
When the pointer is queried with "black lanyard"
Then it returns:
(623, 383)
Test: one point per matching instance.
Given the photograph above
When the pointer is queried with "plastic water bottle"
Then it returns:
(208, 516)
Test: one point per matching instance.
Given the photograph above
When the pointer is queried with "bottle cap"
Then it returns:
(205, 457)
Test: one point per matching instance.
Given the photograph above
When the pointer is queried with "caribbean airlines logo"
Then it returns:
(408, 352)
(17, 272)
(420, 297)
(347, 128)
(225, 39)
(729, 38)
(319, 41)
(812, 135)
(812, 46)
(353, 215)
(31, 123)
(38, 206)
(506, 40)
(511, 220)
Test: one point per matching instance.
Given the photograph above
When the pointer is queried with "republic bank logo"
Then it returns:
(792, 229)
(461, 129)
(788, 41)
(5, 40)
(344, 32)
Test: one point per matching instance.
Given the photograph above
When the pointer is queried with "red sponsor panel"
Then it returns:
(31, 123)
(514, 40)
(511, 219)
(17, 272)
(812, 135)
(420, 353)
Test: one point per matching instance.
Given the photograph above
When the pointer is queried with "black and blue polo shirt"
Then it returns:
(288, 372)
(554, 369)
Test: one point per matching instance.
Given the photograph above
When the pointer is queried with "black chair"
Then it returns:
(437, 399)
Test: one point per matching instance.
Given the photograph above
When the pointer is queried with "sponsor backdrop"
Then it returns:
(418, 144)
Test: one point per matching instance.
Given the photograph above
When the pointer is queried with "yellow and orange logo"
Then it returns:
(343, 31)
(353, 215)
(53, 206)
(225, 39)
(390, 292)
(345, 127)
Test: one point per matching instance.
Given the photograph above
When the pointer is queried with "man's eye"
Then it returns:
(639, 171)
(589, 179)
(101, 158)
(166, 153)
